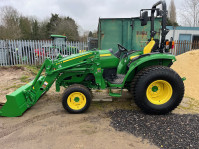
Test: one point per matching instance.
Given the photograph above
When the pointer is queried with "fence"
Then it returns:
(34, 52)
(184, 46)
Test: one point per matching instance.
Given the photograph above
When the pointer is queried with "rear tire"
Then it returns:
(76, 98)
(157, 89)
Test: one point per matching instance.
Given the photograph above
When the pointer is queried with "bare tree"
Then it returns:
(16, 26)
(95, 33)
(172, 12)
(9, 23)
(84, 37)
(190, 13)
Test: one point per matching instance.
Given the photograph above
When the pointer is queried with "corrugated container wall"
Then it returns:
(125, 31)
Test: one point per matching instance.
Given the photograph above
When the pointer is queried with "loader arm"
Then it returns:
(26, 96)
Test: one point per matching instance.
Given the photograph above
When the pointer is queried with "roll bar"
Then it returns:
(163, 13)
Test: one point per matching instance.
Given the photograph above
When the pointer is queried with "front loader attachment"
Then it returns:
(26, 96)
(19, 101)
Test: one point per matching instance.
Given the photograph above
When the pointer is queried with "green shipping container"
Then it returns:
(125, 31)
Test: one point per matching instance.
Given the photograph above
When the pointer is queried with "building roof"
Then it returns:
(182, 28)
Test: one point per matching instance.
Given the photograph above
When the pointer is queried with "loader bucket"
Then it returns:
(16, 103)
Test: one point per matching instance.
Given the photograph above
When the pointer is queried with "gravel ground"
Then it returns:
(170, 131)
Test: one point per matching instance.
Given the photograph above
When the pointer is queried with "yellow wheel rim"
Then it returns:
(159, 92)
(76, 100)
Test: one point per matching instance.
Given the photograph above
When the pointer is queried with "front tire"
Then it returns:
(76, 98)
(157, 90)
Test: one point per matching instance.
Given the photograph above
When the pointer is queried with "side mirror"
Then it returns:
(144, 18)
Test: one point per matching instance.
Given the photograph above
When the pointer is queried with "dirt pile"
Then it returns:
(187, 65)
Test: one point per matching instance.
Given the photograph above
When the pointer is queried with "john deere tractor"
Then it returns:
(59, 45)
(155, 87)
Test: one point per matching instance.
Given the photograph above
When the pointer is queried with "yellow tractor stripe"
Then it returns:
(74, 58)
(103, 55)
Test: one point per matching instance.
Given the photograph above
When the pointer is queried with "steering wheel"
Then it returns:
(121, 48)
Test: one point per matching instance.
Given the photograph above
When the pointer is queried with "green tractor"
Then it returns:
(155, 87)
(59, 43)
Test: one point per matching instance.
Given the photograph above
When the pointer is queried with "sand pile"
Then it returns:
(187, 65)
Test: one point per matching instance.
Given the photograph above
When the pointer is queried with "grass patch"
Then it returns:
(192, 105)
(12, 67)
(33, 69)
(24, 79)
(14, 86)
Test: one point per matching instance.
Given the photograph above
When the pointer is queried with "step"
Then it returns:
(118, 80)
(103, 95)
(115, 94)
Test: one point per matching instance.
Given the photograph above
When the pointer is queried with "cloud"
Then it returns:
(85, 12)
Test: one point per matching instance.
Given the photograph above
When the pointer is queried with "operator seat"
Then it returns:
(147, 49)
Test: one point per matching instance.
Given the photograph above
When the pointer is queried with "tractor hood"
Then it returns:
(73, 59)
(108, 60)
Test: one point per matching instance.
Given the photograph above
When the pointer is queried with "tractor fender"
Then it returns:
(148, 60)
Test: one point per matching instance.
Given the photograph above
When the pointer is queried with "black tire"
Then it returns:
(145, 78)
(87, 97)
